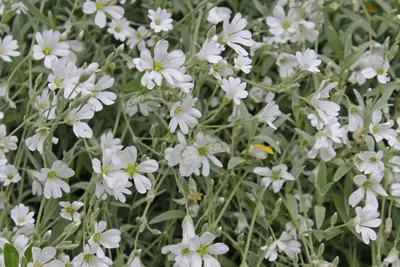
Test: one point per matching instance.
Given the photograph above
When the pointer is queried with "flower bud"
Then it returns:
(46, 237)
(218, 232)
(333, 219)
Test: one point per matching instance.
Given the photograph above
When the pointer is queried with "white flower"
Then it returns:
(307, 199)
(43, 258)
(9, 174)
(221, 69)
(119, 28)
(21, 215)
(108, 239)
(201, 152)
(185, 85)
(70, 211)
(381, 130)
(326, 110)
(46, 104)
(180, 253)
(101, 7)
(324, 147)
(88, 259)
(379, 69)
(308, 60)
(305, 30)
(75, 117)
(369, 162)
(132, 170)
(99, 96)
(272, 250)
(174, 157)
(286, 63)
(234, 89)
(64, 74)
(211, 51)
(356, 118)
(218, 14)
(143, 108)
(120, 190)
(286, 243)
(136, 262)
(8, 48)
(243, 63)
(395, 142)
(53, 179)
(36, 141)
(184, 114)
(368, 188)
(234, 35)
(292, 246)
(160, 20)
(49, 47)
(393, 258)
(203, 248)
(7, 143)
(367, 218)
(282, 26)
(269, 114)
(163, 65)
(277, 176)
(108, 142)
(136, 37)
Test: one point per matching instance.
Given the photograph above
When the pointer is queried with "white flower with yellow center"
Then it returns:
(53, 179)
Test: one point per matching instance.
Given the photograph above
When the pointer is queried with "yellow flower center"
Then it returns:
(51, 175)
(157, 66)
(367, 184)
(105, 170)
(202, 250)
(178, 110)
(87, 258)
(46, 51)
(97, 237)
(131, 170)
(275, 176)
(286, 25)
(69, 210)
(202, 151)
(99, 6)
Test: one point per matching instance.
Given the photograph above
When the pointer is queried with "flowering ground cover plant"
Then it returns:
(194, 133)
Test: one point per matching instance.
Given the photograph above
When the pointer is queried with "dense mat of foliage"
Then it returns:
(196, 133)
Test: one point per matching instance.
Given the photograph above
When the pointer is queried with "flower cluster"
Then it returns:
(270, 126)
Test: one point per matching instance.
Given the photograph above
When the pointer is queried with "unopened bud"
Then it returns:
(80, 35)
(388, 226)
(218, 232)
(333, 219)
(220, 201)
(321, 249)
(71, 228)
(47, 236)
(205, 228)
(155, 231)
